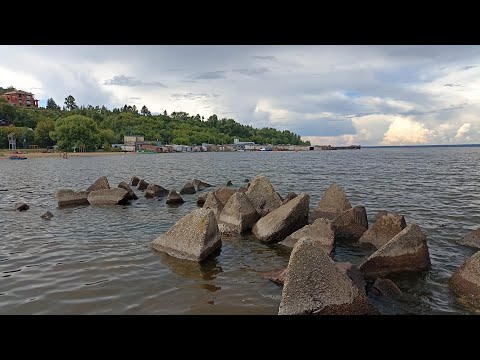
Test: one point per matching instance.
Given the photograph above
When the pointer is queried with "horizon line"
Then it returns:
(430, 145)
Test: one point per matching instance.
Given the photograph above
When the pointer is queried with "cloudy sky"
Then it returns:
(368, 95)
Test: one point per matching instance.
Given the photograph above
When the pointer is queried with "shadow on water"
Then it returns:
(352, 252)
(206, 270)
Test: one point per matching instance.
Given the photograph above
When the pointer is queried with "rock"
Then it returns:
(68, 197)
(154, 190)
(380, 214)
(242, 189)
(188, 188)
(193, 237)
(471, 239)
(223, 194)
(201, 200)
(21, 207)
(47, 216)
(246, 180)
(279, 196)
(290, 196)
(262, 195)
(229, 183)
(174, 198)
(351, 224)
(386, 227)
(387, 287)
(142, 185)
(406, 251)
(134, 181)
(283, 221)
(100, 184)
(115, 196)
(238, 213)
(314, 285)
(226, 231)
(354, 274)
(130, 193)
(465, 281)
(321, 231)
(213, 202)
(277, 276)
(333, 201)
(200, 185)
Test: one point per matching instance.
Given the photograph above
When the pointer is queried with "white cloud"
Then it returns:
(405, 131)
(20, 80)
(342, 140)
(463, 131)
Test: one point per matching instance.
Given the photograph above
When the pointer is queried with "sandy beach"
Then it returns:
(35, 155)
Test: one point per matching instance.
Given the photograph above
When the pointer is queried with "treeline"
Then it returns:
(5, 90)
(71, 126)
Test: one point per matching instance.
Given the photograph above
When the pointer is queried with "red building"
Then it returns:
(21, 98)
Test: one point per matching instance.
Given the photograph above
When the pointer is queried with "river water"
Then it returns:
(96, 260)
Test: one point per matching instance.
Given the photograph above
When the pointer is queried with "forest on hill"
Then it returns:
(70, 126)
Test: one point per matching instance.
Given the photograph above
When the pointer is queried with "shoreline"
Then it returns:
(38, 155)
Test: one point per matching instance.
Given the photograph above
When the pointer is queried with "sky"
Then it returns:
(330, 95)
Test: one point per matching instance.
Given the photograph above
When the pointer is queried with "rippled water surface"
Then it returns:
(96, 260)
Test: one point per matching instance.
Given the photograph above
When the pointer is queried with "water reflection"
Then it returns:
(210, 287)
(206, 270)
(114, 240)
(281, 250)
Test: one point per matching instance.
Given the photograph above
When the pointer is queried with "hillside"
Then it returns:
(109, 126)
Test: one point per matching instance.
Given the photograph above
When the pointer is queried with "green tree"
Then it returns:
(107, 136)
(51, 104)
(145, 111)
(5, 90)
(70, 103)
(7, 110)
(42, 133)
(75, 131)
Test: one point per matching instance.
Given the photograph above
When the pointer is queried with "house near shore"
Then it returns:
(157, 148)
(21, 98)
(133, 142)
(240, 145)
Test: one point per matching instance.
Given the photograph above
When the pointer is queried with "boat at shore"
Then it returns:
(17, 157)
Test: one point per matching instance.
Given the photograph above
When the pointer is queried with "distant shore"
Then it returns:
(4, 154)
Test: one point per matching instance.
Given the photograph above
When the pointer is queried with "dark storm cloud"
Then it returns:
(209, 75)
(300, 88)
(267, 57)
(324, 126)
(193, 96)
(430, 53)
(253, 71)
(122, 80)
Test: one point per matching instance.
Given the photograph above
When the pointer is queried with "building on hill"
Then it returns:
(21, 98)
(241, 145)
(133, 142)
